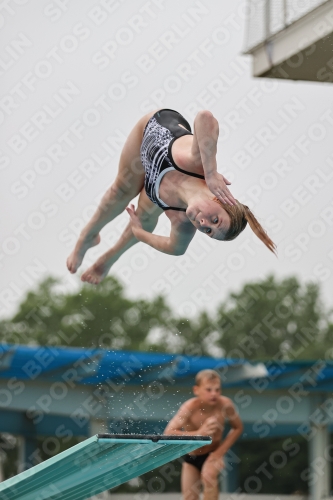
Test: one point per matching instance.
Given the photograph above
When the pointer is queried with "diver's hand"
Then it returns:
(217, 184)
(135, 221)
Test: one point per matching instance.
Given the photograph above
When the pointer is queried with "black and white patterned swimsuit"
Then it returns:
(160, 133)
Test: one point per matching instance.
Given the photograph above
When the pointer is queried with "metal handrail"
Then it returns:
(263, 24)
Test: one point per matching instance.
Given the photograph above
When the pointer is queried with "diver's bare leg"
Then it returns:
(127, 185)
(148, 214)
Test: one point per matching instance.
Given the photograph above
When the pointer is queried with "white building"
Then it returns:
(291, 39)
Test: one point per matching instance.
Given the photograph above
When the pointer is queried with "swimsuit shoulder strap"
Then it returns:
(158, 202)
(186, 172)
(174, 208)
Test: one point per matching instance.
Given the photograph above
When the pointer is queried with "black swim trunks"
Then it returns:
(161, 131)
(196, 460)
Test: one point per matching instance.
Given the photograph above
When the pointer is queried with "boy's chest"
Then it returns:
(198, 417)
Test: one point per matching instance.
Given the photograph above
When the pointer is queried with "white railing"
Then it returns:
(267, 17)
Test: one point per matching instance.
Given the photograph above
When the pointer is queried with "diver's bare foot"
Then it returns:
(82, 245)
(97, 272)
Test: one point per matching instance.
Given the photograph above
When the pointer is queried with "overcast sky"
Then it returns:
(76, 76)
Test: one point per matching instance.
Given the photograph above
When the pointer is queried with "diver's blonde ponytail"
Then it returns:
(258, 229)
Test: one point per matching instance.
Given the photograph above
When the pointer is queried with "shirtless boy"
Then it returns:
(204, 415)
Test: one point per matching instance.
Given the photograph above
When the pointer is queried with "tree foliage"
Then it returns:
(266, 319)
(274, 319)
(93, 317)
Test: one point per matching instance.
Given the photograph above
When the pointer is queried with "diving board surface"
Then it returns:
(97, 464)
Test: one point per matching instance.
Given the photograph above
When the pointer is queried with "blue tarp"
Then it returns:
(94, 366)
(97, 365)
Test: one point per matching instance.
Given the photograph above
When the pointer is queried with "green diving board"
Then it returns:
(97, 464)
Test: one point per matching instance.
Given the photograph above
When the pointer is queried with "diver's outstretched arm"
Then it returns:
(181, 234)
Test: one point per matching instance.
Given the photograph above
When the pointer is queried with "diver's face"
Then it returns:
(209, 218)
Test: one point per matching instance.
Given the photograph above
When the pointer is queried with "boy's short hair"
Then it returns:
(206, 375)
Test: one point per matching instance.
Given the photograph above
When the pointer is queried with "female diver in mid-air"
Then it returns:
(175, 171)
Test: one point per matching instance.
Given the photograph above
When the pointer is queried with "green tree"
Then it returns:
(192, 337)
(268, 318)
(262, 320)
(92, 317)
(271, 318)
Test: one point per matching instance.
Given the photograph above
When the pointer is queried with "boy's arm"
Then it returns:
(234, 433)
(178, 422)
